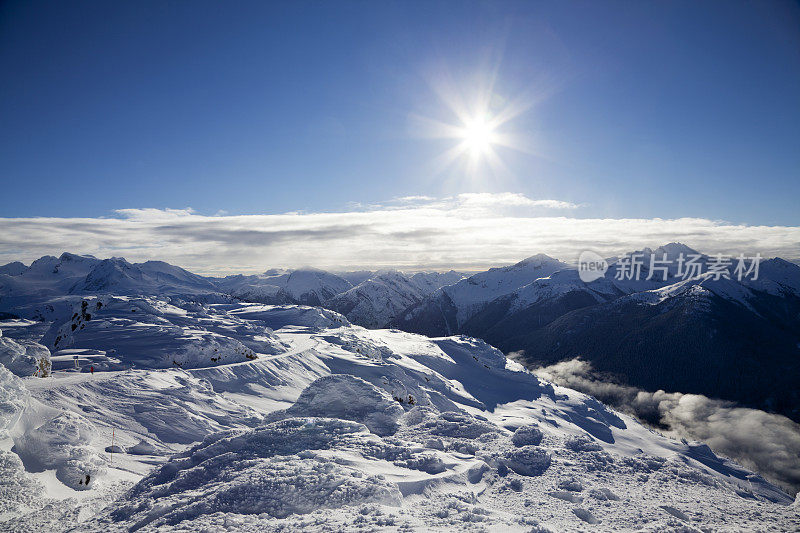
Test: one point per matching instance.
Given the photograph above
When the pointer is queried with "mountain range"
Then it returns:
(140, 396)
(724, 338)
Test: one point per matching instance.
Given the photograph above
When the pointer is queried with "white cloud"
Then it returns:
(413, 199)
(154, 214)
(508, 199)
(467, 231)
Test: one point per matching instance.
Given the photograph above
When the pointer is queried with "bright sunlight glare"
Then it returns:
(478, 120)
(478, 135)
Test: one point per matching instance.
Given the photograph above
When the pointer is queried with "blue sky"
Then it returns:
(635, 109)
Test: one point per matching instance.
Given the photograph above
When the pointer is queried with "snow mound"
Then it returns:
(580, 443)
(528, 461)
(529, 435)
(151, 334)
(603, 494)
(61, 444)
(348, 398)
(458, 424)
(13, 399)
(143, 448)
(22, 359)
(270, 470)
(163, 407)
(20, 493)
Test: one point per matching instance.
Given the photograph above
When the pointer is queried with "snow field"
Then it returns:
(340, 427)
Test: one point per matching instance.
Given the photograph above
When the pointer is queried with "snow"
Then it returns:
(47, 277)
(529, 435)
(118, 276)
(131, 332)
(303, 286)
(355, 277)
(469, 294)
(376, 301)
(13, 269)
(428, 282)
(777, 276)
(22, 358)
(559, 284)
(272, 470)
(14, 397)
(701, 289)
(61, 444)
(218, 415)
(348, 398)
(528, 461)
(277, 317)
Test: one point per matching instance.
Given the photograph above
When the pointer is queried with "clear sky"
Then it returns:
(654, 109)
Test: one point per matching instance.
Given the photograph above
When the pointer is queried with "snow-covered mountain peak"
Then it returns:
(703, 287)
(308, 286)
(15, 268)
(66, 265)
(777, 276)
(674, 249)
(67, 256)
(314, 284)
(118, 276)
(389, 274)
(538, 260)
(377, 300)
(115, 273)
(44, 263)
(430, 281)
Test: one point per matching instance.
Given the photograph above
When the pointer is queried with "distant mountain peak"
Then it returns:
(389, 273)
(67, 256)
(538, 259)
(14, 268)
(676, 248)
(276, 272)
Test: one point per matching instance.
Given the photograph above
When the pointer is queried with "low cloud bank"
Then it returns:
(764, 442)
(468, 231)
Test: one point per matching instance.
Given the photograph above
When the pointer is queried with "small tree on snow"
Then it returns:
(43, 367)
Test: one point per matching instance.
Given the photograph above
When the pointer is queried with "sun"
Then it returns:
(476, 121)
(478, 136)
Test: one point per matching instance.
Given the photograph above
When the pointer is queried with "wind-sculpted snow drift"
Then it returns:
(301, 421)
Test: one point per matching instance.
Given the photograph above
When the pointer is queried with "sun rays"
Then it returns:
(478, 126)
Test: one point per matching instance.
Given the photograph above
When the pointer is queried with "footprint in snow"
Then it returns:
(675, 512)
(585, 515)
(566, 496)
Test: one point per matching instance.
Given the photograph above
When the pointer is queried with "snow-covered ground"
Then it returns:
(246, 417)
